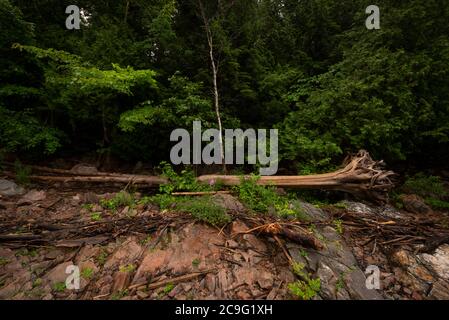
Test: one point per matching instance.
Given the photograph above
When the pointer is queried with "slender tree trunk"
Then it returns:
(126, 12)
(214, 67)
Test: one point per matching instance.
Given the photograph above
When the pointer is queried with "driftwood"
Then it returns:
(360, 175)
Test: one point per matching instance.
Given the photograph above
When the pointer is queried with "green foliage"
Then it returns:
(425, 186)
(338, 224)
(121, 199)
(263, 198)
(306, 288)
(183, 106)
(204, 209)
(87, 273)
(186, 181)
(139, 69)
(256, 197)
(59, 287)
(96, 216)
(128, 268)
(196, 262)
(21, 131)
(163, 201)
(167, 289)
(437, 204)
(431, 188)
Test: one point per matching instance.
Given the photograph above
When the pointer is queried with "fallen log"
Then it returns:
(360, 175)
(147, 180)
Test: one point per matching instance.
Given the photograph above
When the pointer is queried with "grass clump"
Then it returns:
(59, 286)
(87, 273)
(204, 209)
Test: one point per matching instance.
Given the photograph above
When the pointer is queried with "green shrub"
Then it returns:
(186, 181)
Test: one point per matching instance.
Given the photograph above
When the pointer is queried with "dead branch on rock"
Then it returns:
(290, 231)
(424, 233)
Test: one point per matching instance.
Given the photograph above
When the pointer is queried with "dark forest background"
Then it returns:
(138, 69)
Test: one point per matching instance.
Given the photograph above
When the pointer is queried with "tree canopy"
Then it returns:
(137, 69)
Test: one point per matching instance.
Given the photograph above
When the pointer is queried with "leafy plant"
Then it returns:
(306, 288)
(338, 224)
(186, 181)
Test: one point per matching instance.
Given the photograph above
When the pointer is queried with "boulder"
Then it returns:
(9, 188)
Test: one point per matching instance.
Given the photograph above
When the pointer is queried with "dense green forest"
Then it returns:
(137, 69)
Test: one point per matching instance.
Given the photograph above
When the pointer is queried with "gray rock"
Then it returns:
(32, 196)
(84, 169)
(314, 213)
(336, 266)
(9, 188)
(439, 261)
(386, 211)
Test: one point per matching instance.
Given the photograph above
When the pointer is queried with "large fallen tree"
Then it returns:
(360, 175)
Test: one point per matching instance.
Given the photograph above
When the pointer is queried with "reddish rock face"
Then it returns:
(127, 253)
(196, 249)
